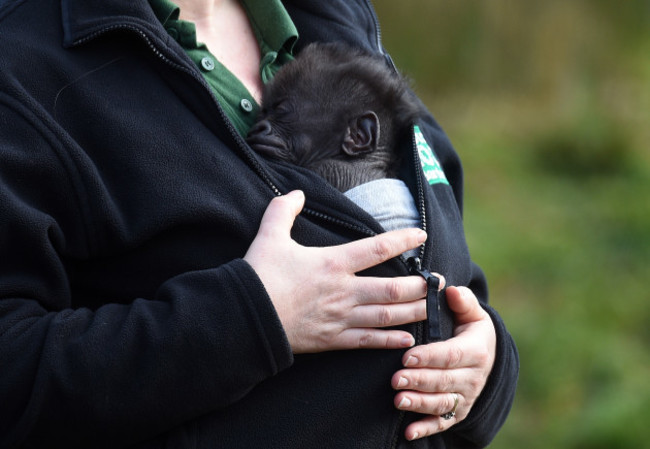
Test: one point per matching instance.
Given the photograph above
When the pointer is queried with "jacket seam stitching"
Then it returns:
(50, 138)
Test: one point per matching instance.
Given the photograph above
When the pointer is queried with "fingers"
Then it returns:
(435, 393)
(388, 302)
(457, 352)
(428, 426)
(434, 405)
(371, 290)
(373, 339)
(431, 381)
(371, 251)
(281, 213)
(429, 404)
(386, 316)
(344, 311)
(447, 355)
(464, 304)
(435, 373)
(362, 327)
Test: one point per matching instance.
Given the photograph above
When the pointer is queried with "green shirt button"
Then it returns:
(207, 63)
(246, 105)
(275, 35)
(269, 58)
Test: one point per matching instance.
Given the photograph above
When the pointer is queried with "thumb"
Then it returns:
(464, 304)
(281, 213)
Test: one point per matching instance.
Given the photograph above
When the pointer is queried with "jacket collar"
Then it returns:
(81, 19)
(349, 20)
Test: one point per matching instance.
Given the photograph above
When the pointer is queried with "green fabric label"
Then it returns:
(432, 168)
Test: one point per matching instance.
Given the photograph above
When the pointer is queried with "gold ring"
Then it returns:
(452, 413)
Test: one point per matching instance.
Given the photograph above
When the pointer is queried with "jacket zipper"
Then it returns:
(373, 14)
(262, 172)
(420, 188)
(416, 155)
(380, 47)
(238, 139)
(360, 229)
(243, 147)
(413, 264)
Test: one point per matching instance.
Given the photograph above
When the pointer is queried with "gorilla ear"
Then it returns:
(362, 135)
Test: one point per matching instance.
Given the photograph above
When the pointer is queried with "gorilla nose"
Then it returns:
(261, 128)
(263, 139)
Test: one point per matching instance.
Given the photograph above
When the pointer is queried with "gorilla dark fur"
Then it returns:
(338, 111)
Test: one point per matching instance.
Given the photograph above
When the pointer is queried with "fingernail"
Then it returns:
(407, 342)
(403, 381)
(404, 403)
(415, 436)
(297, 193)
(422, 236)
(441, 281)
(411, 361)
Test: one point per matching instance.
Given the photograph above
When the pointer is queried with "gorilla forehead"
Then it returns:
(332, 76)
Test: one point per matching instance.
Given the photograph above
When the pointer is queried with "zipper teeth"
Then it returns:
(262, 172)
(373, 14)
(421, 206)
(365, 231)
(238, 139)
(419, 326)
(418, 179)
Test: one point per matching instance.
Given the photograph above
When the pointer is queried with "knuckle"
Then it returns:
(435, 426)
(365, 340)
(483, 356)
(476, 384)
(454, 356)
(335, 314)
(322, 339)
(281, 203)
(333, 264)
(420, 382)
(394, 290)
(382, 249)
(278, 201)
(448, 403)
(419, 313)
(446, 382)
(333, 309)
(384, 316)
(282, 199)
(415, 381)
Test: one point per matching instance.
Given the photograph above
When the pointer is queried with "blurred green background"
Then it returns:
(548, 104)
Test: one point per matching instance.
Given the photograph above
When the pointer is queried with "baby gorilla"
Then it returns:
(338, 111)
(341, 112)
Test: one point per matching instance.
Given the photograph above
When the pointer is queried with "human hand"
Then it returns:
(438, 373)
(321, 303)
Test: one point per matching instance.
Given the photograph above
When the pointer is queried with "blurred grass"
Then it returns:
(548, 104)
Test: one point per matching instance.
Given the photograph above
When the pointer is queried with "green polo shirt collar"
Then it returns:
(275, 34)
(270, 21)
(272, 25)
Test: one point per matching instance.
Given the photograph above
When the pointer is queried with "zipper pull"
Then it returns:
(433, 300)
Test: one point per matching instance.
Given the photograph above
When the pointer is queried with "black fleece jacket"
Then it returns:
(127, 316)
